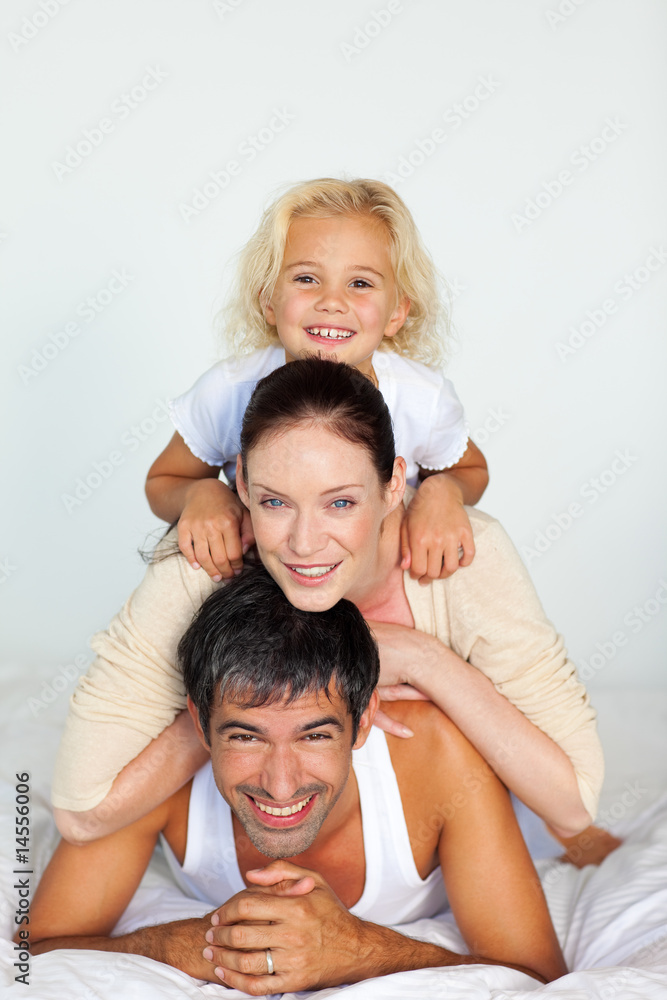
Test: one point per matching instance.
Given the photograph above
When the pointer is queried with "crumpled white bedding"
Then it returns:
(611, 920)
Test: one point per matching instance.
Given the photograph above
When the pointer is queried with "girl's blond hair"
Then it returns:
(424, 334)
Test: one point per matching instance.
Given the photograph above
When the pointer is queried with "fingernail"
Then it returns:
(215, 918)
(220, 973)
(237, 572)
(208, 954)
(245, 548)
(209, 936)
(406, 732)
(252, 871)
(217, 578)
(195, 565)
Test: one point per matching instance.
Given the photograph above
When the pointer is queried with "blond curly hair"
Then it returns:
(424, 335)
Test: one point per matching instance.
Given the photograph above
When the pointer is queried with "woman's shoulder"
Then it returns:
(171, 580)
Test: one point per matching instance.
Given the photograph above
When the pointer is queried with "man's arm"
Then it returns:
(85, 890)
(315, 942)
(492, 886)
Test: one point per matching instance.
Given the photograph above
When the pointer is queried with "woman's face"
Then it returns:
(317, 509)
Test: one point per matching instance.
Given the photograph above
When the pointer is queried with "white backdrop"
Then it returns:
(143, 139)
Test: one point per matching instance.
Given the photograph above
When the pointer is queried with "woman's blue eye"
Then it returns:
(273, 502)
(341, 504)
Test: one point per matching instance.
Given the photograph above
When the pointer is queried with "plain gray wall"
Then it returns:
(474, 109)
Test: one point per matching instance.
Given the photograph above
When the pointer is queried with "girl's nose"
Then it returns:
(331, 299)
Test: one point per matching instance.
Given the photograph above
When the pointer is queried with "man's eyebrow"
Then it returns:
(326, 720)
(236, 724)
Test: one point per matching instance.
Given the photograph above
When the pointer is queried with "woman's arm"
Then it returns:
(524, 758)
(148, 780)
(131, 693)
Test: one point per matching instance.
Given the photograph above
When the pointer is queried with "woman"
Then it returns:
(325, 493)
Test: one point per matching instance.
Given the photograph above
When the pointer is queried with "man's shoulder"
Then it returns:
(173, 822)
(437, 741)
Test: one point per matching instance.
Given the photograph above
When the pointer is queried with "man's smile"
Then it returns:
(278, 816)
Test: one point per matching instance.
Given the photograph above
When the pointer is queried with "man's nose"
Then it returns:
(281, 776)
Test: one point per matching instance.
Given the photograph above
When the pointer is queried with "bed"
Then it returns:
(611, 920)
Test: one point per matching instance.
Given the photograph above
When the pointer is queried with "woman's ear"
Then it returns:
(194, 714)
(396, 487)
(398, 317)
(240, 483)
(366, 720)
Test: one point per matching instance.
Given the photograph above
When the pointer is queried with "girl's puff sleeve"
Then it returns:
(448, 430)
(133, 689)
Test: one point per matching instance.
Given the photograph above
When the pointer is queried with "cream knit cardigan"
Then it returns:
(487, 612)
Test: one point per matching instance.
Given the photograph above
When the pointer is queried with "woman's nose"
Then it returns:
(306, 536)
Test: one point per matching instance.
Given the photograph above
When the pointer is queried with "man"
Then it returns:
(322, 855)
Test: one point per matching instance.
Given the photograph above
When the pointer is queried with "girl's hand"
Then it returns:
(436, 537)
(214, 530)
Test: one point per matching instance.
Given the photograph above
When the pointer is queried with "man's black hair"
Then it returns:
(248, 644)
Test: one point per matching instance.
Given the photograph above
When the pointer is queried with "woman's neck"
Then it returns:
(381, 596)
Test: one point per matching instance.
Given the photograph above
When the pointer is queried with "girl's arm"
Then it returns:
(436, 537)
(214, 529)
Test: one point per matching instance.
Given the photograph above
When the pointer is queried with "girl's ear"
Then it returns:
(398, 317)
(240, 483)
(267, 309)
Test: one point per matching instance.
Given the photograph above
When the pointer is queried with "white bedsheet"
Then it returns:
(611, 920)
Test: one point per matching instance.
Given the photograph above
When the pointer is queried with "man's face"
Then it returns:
(283, 767)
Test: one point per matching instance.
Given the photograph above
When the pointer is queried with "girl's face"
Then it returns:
(317, 510)
(336, 293)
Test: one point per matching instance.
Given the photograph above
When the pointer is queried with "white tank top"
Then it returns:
(393, 892)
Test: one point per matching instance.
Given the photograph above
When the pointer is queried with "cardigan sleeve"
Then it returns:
(490, 614)
(133, 689)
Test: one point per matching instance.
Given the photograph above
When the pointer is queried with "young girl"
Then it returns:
(336, 268)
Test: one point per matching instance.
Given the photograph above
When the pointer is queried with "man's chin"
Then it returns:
(281, 844)
(280, 847)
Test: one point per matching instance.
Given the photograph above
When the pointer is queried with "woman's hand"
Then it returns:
(401, 648)
(407, 656)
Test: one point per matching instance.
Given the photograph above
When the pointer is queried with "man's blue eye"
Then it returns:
(274, 503)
